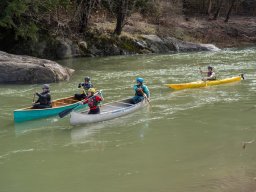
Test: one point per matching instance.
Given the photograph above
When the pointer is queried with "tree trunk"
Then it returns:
(185, 7)
(229, 11)
(209, 8)
(216, 15)
(120, 16)
(86, 7)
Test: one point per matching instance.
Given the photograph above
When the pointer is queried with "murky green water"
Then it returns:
(190, 140)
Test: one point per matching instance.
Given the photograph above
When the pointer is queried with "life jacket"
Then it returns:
(93, 103)
(139, 93)
(45, 99)
(209, 73)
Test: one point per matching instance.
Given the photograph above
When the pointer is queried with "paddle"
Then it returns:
(205, 80)
(67, 111)
(33, 101)
(145, 96)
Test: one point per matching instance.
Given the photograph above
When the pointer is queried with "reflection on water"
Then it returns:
(83, 133)
(35, 125)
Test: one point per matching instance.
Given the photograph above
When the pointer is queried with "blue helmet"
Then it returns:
(139, 79)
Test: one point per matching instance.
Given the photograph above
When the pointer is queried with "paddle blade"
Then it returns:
(66, 112)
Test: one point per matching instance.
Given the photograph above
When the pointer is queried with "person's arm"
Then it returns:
(82, 102)
(98, 98)
(203, 72)
(135, 88)
(38, 94)
(37, 101)
(49, 98)
(146, 91)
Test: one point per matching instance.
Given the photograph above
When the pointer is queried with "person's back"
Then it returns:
(44, 98)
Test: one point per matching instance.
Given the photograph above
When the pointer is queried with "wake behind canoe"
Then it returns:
(59, 105)
(199, 84)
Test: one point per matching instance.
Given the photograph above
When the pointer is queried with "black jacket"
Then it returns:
(44, 98)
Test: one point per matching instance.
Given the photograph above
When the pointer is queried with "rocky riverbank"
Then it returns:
(95, 45)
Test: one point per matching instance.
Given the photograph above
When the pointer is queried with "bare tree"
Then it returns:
(83, 10)
(209, 8)
(121, 14)
(229, 11)
(217, 13)
(121, 9)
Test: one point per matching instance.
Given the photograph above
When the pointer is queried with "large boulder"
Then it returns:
(26, 69)
(171, 44)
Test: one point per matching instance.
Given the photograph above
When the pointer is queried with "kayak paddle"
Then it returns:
(67, 111)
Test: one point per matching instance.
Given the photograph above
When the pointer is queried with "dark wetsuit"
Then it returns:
(85, 87)
(44, 100)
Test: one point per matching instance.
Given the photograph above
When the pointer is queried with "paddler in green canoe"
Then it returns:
(210, 74)
(85, 86)
(44, 98)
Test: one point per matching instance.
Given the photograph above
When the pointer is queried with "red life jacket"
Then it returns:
(94, 101)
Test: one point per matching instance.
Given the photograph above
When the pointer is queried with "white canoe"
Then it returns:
(107, 111)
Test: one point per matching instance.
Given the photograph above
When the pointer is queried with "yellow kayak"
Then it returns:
(199, 84)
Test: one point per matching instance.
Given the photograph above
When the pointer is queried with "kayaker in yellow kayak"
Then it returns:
(210, 74)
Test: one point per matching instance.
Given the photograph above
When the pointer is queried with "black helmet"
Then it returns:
(209, 67)
(87, 78)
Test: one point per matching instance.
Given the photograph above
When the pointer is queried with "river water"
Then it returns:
(189, 140)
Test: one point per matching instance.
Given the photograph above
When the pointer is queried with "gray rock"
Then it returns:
(155, 44)
(26, 69)
(63, 49)
(171, 44)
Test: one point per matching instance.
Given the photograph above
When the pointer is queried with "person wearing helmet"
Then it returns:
(85, 86)
(210, 74)
(141, 91)
(44, 98)
(93, 100)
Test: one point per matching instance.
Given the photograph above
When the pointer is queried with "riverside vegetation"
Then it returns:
(59, 29)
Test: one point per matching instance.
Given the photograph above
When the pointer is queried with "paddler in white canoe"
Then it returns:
(93, 101)
(114, 109)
